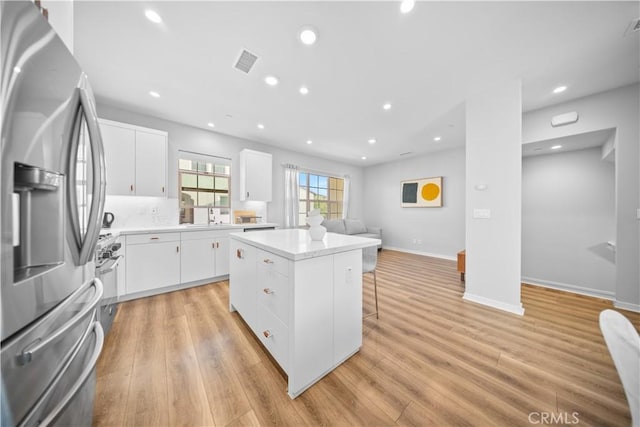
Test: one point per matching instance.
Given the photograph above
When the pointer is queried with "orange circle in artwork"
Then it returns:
(430, 192)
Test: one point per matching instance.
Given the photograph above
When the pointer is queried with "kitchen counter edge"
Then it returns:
(288, 243)
(185, 228)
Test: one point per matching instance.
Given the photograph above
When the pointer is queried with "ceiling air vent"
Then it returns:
(245, 61)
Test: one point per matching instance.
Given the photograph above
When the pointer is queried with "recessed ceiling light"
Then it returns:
(17, 69)
(308, 36)
(556, 147)
(407, 6)
(437, 138)
(260, 126)
(372, 141)
(211, 125)
(364, 158)
(309, 141)
(152, 16)
(560, 89)
(154, 94)
(386, 106)
(271, 80)
(304, 90)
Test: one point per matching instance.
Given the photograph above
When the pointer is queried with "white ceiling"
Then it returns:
(425, 63)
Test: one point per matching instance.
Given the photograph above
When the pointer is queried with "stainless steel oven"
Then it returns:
(107, 259)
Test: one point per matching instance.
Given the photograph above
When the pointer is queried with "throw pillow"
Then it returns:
(354, 226)
(334, 225)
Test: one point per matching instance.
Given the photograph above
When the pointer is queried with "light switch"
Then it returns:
(482, 213)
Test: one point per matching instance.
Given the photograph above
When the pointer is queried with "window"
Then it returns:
(204, 182)
(320, 192)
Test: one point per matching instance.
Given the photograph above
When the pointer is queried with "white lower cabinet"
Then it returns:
(307, 313)
(153, 261)
(205, 254)
(161, 260)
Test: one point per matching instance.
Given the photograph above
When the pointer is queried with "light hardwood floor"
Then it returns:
(431, 359)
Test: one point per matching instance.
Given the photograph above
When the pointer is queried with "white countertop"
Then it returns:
(296, 244)
(184, 227)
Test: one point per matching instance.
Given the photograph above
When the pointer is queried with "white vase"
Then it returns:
(314, 219)
(317, 232)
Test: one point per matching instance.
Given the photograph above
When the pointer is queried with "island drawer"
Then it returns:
(273, 292)
(275, 337)
(273, 262)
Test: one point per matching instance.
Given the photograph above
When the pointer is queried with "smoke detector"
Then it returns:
(245, 61)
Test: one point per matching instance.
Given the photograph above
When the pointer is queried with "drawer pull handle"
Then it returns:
(267, 261)
(267, 334)
(154, 238)
(268, 291)
(240, 253)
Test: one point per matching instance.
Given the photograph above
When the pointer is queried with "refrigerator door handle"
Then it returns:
(99, 177)
(86, 372)
(37, 346)
(85, 245)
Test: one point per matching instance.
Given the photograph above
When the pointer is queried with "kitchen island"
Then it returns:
(301, 298)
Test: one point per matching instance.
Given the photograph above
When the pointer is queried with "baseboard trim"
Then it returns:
(627, 306)
(409, 251)
(515, 309)
(590, 292)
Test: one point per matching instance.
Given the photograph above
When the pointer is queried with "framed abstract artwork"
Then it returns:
(422, 193)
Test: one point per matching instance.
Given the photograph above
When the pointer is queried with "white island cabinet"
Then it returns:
(302, 298)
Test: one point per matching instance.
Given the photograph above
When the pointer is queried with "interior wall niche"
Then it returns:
(568, 216)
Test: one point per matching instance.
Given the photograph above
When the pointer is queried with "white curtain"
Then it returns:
(291, 196)
(345, 197)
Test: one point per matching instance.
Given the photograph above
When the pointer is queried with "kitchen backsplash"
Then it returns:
(133, 211)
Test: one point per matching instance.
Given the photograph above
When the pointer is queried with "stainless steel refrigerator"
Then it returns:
(52, 184)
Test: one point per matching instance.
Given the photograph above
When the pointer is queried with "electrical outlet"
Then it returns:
(419, 241)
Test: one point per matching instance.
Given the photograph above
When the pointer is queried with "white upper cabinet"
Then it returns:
(120, 158)
(136, 159)
(255, 175)
(151, 164)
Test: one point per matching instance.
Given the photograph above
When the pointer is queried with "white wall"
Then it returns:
(494, 151)
(182, 137)
(619, 109)
(60, 13)
(568, 216)
(440, 230)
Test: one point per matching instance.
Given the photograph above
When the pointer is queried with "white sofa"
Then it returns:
(353, 227)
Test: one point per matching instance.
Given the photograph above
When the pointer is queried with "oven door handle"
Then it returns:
(109, 266)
